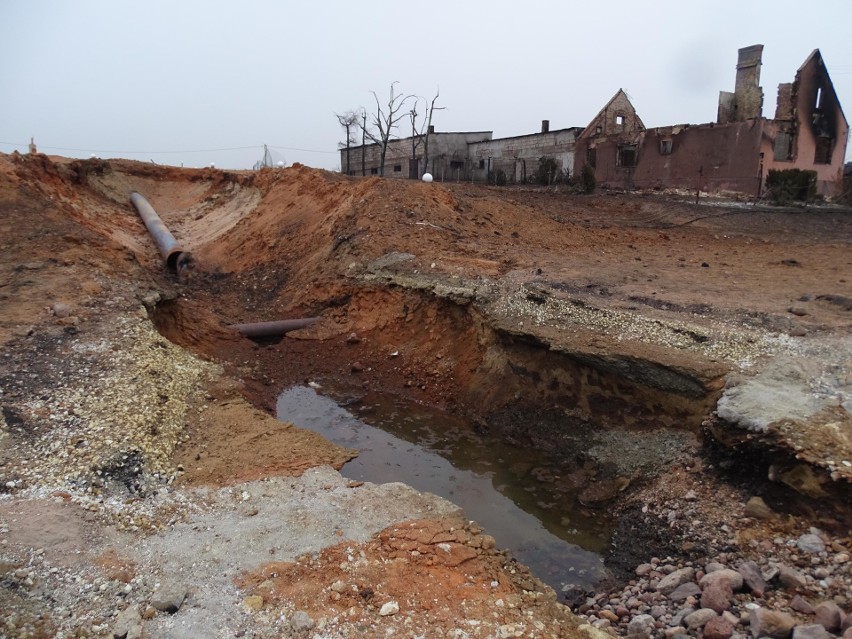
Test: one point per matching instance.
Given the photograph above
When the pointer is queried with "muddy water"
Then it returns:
(498, 485)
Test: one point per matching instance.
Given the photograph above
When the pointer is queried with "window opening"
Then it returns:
(626, 155)
(782, 146)
(592, 157)
(665, 147)
(822, 154)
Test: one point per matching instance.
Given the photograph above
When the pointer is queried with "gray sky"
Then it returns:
(137, 79)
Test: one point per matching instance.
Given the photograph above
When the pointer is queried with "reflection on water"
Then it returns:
(512, 492)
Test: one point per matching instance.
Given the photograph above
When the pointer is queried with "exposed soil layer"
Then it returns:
(132, 410)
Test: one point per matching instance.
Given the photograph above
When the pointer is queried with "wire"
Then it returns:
(65, 148)
(290, 148)
(232, 148)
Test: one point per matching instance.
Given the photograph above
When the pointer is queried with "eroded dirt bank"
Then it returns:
(135, 460)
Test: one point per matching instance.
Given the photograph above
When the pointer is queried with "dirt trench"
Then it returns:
(594, 328)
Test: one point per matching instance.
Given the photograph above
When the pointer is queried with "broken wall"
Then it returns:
(518, 156)
(810, 131)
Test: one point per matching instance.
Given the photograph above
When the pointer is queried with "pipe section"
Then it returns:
(176, 258)
(273, 329)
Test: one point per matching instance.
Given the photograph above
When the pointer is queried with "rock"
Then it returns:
(731, 578)
(643, 569)
(689, 589)
(713, 566)
(757, 508)
(657, 611)
(353, 339)
(682, 614)
(811, 631)
(594, 633)
(389, 608)
(810, 543)
(640, 624)
(770, 623)
(752, 577)
(717, 595)
(357, 367)
(338, 586)
(253, 602)
(608, 614)
(128, 624)
(670, 582)
(799, 604)
(61, 309)
(733, 619)
(799, 311)
(791, 578)
(770, 572)
(847, 634)
(169, 598)
(670, 633)
(699, 618)
(828, 615)
(302, 622)
(150, 613)
(718, 628)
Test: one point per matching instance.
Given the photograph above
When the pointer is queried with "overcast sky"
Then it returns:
(191, 81)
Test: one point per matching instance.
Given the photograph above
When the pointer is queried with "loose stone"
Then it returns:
(828, 615)
(169, 598)
(810, 543)
(718, 628)
(699, 618)
(717, 596)
(640, 624)
(731, 578)
(791, 578)
(683, 591)
(670, 582)
(757, 508)
(301, 622)
(752, 578)
(811, 631)
(770, 623)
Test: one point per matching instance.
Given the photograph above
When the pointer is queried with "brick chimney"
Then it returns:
(545, 126)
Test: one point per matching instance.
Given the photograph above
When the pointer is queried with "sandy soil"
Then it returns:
(133, 418)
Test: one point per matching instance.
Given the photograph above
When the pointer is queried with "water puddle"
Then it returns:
(507, 489)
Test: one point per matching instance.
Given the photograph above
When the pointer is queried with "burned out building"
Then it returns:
(735, 153)
(469, 155)
(517, 158)
(448, 156)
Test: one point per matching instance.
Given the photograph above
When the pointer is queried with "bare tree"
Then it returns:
(429, 113)
(363, 142)
(348, 120)
(422, 136)
(385, 120)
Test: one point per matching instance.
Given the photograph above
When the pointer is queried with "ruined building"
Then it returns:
(735, 153)
(809, 131)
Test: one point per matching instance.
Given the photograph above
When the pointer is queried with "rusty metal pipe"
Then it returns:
(176, 258)
(273, 329)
